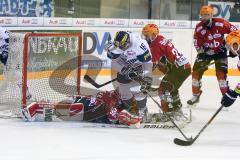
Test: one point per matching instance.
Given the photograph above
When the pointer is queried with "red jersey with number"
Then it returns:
(212, 37)
(163, 51)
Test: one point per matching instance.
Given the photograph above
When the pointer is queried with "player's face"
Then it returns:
(148, 38)
(206, 18)
(235, 48)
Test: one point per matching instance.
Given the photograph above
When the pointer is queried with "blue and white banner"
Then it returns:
(222, 9)
(27, 8)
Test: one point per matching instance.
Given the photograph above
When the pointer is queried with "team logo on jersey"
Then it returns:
(211, 45)
(170, 44)
(203, 32)
(199, 28)
(92, 101)
(163, 42)
(233, 28)
(216, 35)
(210, 37)
(214, 44)
(219, 24)
(130, 53)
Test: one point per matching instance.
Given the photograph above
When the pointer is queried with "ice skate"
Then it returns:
(194, 100)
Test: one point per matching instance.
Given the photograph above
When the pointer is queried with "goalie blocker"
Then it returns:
(104, 107)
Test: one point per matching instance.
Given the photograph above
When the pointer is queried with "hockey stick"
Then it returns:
(188, 139)
(191, 141)
(95, 84)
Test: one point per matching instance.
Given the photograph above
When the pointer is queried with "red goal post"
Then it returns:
(48, 64)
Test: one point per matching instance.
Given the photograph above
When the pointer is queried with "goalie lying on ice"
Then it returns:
(104, 107)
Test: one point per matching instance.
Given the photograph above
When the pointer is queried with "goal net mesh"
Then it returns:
(40, 67)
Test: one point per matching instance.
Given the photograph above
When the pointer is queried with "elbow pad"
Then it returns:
(112, 55)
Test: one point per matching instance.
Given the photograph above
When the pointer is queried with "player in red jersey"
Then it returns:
(173, 64)
(233, 44)
(210, 45)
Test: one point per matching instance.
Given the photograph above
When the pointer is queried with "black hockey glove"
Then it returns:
(222, 53)
(229, 98)
(133, 73)
(222, 50)
(203, 57)
(232, 55)
(146, 84)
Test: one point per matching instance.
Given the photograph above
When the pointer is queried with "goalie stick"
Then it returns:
(191, 140)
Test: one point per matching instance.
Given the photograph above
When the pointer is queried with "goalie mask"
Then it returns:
(206, 14)
(122, 40)
(150, 32)
(233, 42)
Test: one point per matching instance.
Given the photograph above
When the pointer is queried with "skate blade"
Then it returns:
(192, 106)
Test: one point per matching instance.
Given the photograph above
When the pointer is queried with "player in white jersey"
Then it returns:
(131, 58)
(4, 53)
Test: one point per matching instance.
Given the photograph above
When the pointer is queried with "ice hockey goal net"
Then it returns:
(40, 67)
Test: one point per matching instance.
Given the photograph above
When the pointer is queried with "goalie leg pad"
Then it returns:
(28, 113)
(38, 112)
(127, 118)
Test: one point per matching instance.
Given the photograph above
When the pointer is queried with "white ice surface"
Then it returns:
(73, 141)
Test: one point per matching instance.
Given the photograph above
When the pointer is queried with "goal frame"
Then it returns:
(25, 60)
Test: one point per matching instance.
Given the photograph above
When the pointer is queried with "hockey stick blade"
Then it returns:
(182, 142)
(91, 81)
(190, 141)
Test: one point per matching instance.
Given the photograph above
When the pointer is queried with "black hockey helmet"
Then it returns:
(122, 39)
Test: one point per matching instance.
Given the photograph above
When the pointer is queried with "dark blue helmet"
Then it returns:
(122, 39)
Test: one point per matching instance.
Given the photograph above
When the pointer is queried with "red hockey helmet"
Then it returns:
(233, 42)
(149, 32)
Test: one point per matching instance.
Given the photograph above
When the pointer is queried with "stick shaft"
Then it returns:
(95, 84)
